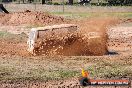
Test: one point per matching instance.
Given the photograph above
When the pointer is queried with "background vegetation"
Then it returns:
(76, 2)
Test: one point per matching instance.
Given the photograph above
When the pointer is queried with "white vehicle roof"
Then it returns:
(54, 26)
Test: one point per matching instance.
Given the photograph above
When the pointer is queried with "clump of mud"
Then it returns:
(29, 18)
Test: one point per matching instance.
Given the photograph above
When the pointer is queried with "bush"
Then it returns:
(56, 3)
(49, 3)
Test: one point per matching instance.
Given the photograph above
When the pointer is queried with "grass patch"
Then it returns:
(94, 14)
(4, 34)
(68, 74)
(15, 70)
(35, 75)
(13, 37)
(110, 70)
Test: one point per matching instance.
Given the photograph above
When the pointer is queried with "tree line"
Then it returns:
(81, 2)
(109, 2)
(120, 2)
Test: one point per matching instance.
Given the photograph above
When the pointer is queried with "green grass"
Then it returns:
(13, 74)
(89, 15)
(102, 70)
(18, 68)
(13, 37)
(4, 34)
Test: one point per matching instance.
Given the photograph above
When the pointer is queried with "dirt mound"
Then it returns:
(29, 18)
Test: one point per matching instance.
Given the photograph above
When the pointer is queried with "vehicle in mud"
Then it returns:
(42, 37)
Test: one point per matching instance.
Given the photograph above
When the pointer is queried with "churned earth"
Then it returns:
(20, 69)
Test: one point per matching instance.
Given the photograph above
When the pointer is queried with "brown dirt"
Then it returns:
(100, 26)
(82, 46)
(79, 43)
(89, 40)
(73, 44)
(30, 18)
(120, 38)
(13, 48)
(68, 83)
(76, 44)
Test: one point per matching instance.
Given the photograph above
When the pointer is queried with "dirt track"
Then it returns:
(14, 45)
(83, 45)
(73, 83)
(28, 18)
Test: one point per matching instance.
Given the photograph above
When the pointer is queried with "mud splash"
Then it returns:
(91, 39)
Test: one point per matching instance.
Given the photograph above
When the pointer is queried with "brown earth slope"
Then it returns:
(30, 18)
